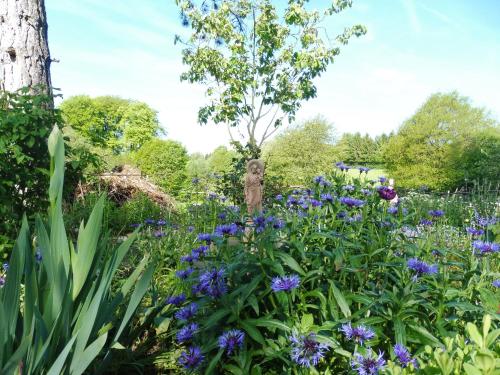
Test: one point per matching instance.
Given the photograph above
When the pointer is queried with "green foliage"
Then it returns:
(111, 122)
(443, 143)
(197, 166)
(220, 160)
(25, 123)
(258, 60)
(300, 153)
(57, 309)
(165, 163)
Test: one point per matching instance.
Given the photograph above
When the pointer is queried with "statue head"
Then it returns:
(255, 166)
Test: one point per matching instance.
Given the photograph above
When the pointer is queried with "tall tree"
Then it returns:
(259, 60)
(24, 50)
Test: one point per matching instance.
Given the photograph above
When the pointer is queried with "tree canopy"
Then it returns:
(441, 144)
(258, 60)
(301, 152)
(111, 122)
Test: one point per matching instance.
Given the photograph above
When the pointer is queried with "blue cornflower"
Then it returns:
(420, 267)
(161, 223)
(342, 166)
(206, 237)
(474, 231)
(358, 334)
(392, 210)
(159, 234)
(354, 218)
(259, 223)
(38, 255)
(285, 283)
(425, 222)
(199, 251)
(176, 300)
(318, 179)
(188, 258)
(5, 266)
(2, 281)
(382, 179)
(306, 351)
(436, 213)
(366, 192)
(231, 339)
(486, 247)
(291, 201)
(315, 203)
(363, 169)
(404, 356)
(369, 364)
(186, 333)
(149, 221)
(212, 196)
(496, 283)
(212, 283)
(222, 216)
(341, 215)
(226, 229)
(187, 312)
(190, 228)
(278, 224)
(326, 197)
(348, 187)
(192, 358)
(184, 274)
(279, 197)
(135, 225)
(352, 202)
(195, 181)
(233, 209)
(484, 221)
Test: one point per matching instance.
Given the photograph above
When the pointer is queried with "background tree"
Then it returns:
(197, 166)
(301, 152)
(357, 149)
(165, 163)
(257, 59)
(432, 146)
(24, 50)
(118, 124)
(220, 160)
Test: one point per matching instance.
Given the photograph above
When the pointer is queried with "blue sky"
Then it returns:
(413, 48)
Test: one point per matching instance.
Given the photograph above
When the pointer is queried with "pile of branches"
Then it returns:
(125, 182)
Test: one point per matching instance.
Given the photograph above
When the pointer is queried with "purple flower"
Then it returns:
(486, 247)
(2, 281)
(38, 255)
(190, 228)
(326, 197)
(212, 283)
(279, 197)
(425, 222)
(496, 283)
(354, 219)
(352, 202)
(285, 283)
(363, 169)
(159, 233)
(176, 300)
(226, 230)
(199, 251)
(341, 215)
(387, 193)
(348, 187)
(315, 203)
(436, 213)
(306, 351)
(161, 223)
(231, 339)
(188, 258)
(366, 192)
(278, 224)
(222, 216)
(186, 333)
(342, 166)
(291, 201)
(195, 181)
(382, 179)
(474, 231)
(404, 356)
(358, 334)
(5, 266)
(212, 196)
(184, 274)
(369, 364)
(392, 210)
(485, 221)
(420, 267)
(187, 312)
(318, 179)
(191, 358)
(149, 221)
(204, 237)
(135, 225)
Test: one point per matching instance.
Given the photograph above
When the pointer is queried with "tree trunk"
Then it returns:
(24, 50)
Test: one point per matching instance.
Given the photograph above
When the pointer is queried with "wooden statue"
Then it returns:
(254, 186)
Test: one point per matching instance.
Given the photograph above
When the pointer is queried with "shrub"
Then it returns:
(165, 163)
(58, 312)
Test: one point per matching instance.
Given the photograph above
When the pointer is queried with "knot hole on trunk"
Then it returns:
(12, 54)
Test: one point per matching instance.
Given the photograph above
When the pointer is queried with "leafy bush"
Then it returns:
(165, 163)
(58, 312)
(445, 142)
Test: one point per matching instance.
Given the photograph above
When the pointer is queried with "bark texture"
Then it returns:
(24, 50)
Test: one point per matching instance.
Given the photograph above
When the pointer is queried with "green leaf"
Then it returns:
(341, 301)
(57, 366)
(474, 334)
(213, 362)
(268, 323)
(471, 370)
(252, 331)
(290, 262)
(91, 352)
